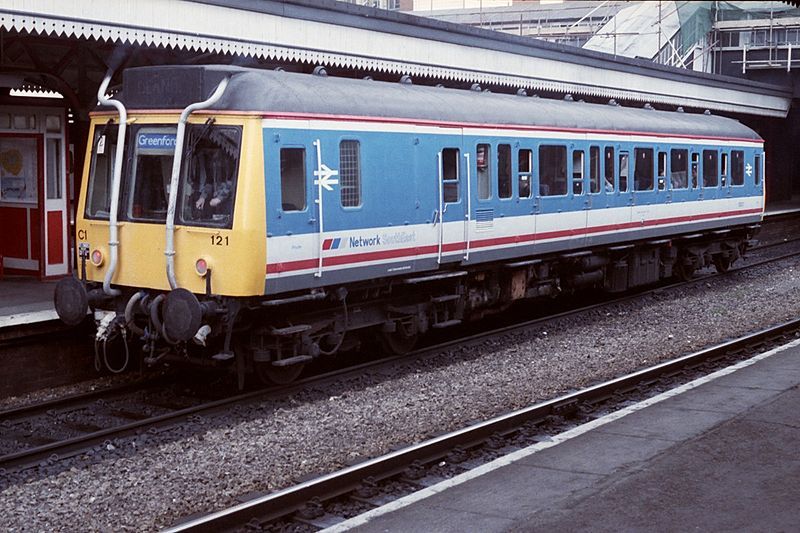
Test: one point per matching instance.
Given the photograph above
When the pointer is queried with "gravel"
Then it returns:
(151, 481)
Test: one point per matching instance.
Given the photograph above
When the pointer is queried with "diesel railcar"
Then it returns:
(259, 219)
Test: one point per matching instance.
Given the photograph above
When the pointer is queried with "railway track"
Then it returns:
(329, 499)
(44, 434)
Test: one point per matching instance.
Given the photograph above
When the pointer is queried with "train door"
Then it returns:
(623, 197)
(679, 182)
(557, 217)
(454, 197)
(649, 183)
(601, 191)
(290, 160)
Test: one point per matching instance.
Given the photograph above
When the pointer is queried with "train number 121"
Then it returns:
(219, 240)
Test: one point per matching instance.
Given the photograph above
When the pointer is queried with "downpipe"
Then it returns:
(169, 250)
(113, 222)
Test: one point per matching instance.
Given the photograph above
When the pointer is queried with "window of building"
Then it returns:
(662, 170)
(54, 171)
(24, 122)
(623, 172)
(643, 171)
(525, 160)
(350, 173)
(52, 123)
(504, 188)
(608, 172)
(678, 168)
(710, 168)
(483, 156)
(594, 169)
(450, 174)
(552, 170)
(577, 172)
(293, 179)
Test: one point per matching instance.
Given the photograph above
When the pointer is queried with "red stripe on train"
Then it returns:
(304, 264)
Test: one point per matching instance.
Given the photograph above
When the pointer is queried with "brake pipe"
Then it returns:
(169, 250)
(113, 222)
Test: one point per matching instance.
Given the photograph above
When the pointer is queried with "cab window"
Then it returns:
(210, 167)
(98, 195)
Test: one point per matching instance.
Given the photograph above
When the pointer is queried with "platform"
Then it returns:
(25, 300)
(720, 453)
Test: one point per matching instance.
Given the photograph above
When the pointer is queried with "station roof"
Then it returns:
(354, 37)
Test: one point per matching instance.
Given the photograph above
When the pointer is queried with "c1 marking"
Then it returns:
(82, 234)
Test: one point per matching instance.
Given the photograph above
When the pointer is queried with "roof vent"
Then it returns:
(319, 70)
(279, 69)
(368, 78)
(405, 79)
(680, 109)
(581, 101)
(568, 98)
(439, 86)
(613, 102)
(649, 107)
(706, 112)
(522, 92)
(475, 87)
(487, 90)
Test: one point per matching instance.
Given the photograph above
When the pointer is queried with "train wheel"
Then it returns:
(683, 271)
(722, 263)
(398, 342)
(270, 374)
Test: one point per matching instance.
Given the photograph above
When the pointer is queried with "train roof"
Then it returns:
(278, 92)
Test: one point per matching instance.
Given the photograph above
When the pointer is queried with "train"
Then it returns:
(256, 220)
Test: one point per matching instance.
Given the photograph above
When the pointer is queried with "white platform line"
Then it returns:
(557, 439)
(27, 318)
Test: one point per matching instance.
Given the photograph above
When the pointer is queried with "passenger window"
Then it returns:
(525, 165)
(504, 170)
(758, 170)
(293, 179)
(662, 171)
(678, 168)
(710, 168)
(623, 172)
(484, 172)
(643, 171)
(594, 170)
(450, 174)
(737, 167)
(350, 173)
(608, 174)
(577, 172)
(695, 166)
(552, 170)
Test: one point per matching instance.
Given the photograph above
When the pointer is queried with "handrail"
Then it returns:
(169, 250)
(113, 222)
